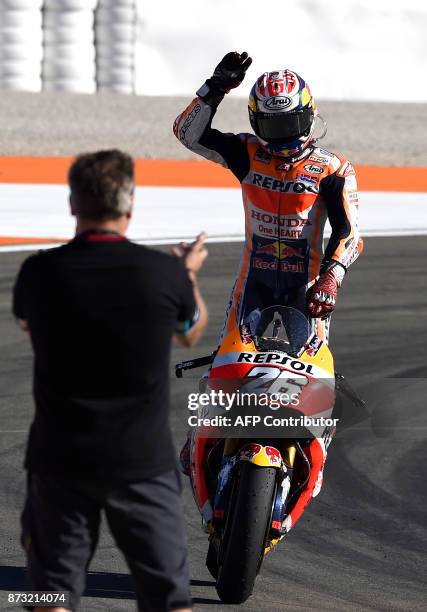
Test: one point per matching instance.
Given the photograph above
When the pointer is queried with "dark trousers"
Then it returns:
(60, 529)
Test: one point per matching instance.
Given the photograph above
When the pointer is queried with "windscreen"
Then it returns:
(279, 328)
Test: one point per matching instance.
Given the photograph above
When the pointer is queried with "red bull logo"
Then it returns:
(288, 251)
(269, 249)
(279, 250)
(273, 455)
(250, 450)
(283, 266)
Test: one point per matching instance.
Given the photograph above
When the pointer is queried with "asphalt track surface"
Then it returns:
(361, 544)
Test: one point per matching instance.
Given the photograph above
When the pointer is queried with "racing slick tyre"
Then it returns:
(124, 14)
(17, 83)
(22, 52)
(212, 560)
(70, 85)
(31, 19)
(70, 5)
(117, 76)
(245, 532)
(62, 35)
(120, 62)
(120, 32)
(18, 5)
(69, 19)
(117, 3)
(53, 69)
(69, 53)
(20, 36)
(114, 48)
(22, 69)
(118, 88)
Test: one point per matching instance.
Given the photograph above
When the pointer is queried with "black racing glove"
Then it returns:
(229, 73)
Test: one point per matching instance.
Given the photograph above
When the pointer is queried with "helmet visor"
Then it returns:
(281, 127)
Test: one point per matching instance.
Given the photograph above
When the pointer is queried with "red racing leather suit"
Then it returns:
(286, 206)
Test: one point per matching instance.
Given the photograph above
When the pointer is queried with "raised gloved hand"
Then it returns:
(322, 296)
(229, 73)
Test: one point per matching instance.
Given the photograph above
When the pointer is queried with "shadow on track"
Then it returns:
(99, 584)
(105, 585)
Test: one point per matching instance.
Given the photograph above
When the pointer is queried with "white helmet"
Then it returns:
(282, 112)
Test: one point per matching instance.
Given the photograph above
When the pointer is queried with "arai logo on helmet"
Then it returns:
(278, 102)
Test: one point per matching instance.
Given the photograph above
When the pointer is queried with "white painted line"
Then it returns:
(166, 215)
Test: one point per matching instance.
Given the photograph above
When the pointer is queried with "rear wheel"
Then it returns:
(245, 532)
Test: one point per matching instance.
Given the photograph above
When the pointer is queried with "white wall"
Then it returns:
(348, 49)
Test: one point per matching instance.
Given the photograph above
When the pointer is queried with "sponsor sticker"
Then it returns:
(350, 182)
(313, 169)
(275, 358)
(319, 160)
(284, 166)
(313, 346)
(262, 155)
(273, 455)
(325, 152)
(279, 250)
(274, 184)
(245, 333)
(277, 226)
(346, 169)
(308, 179)
(353, 199)
(250, 450)
(277, 103)
(283, 266)
(189, 120)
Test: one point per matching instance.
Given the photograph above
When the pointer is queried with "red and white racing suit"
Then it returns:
(286, 204)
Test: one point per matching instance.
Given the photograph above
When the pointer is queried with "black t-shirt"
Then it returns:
(102, 312)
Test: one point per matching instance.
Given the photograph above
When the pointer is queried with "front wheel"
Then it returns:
(245, 533)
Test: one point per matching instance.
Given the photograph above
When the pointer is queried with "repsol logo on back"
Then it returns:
(275, 358)
(268, 182)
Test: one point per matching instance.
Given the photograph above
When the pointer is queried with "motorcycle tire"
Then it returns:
(245, 532)
(212, 561)
(21, 5)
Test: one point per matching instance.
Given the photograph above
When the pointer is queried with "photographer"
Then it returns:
(101, 312)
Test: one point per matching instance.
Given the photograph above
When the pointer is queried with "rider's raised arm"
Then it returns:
(339, 191)
(193, 126)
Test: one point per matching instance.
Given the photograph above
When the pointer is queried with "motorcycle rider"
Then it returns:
(290, 187)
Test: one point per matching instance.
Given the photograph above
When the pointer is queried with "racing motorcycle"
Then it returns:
(248, 462)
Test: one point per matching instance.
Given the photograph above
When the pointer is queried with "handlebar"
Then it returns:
(199, 362)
